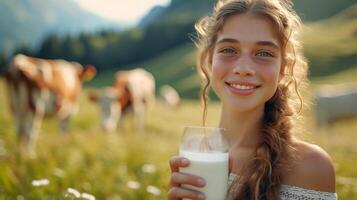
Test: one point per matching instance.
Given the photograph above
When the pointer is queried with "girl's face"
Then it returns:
(246, 62)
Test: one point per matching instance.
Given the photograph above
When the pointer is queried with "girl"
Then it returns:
(251, 56)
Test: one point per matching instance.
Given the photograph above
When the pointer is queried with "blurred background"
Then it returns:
(155, 35)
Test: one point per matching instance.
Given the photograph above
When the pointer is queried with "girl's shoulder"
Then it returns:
(313, 168)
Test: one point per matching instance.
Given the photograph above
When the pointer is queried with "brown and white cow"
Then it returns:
(132, 90)
(41, 87)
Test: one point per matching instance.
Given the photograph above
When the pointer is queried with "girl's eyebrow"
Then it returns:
(229, 40)
(269, 44)
(260, 43)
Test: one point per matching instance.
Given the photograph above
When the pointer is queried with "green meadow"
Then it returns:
(130, 164)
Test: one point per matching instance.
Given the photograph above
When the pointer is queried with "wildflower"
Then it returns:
(148, 168)
(153, 190)
(74, 192)
(133, 185)
(40, 182)
(87, 196)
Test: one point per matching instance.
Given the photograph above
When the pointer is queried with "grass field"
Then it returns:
(131, 165)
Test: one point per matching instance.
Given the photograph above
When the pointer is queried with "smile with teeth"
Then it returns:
(242, 87)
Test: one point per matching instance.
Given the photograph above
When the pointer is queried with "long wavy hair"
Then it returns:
(263, 173)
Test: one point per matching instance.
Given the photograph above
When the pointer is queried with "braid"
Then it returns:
(263, 172)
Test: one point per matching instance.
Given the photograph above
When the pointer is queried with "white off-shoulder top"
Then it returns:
(288, 192)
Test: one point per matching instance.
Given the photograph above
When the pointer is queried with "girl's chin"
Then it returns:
(235, 105)
(242, 105)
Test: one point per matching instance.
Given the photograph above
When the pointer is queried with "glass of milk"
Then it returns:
(207, 150)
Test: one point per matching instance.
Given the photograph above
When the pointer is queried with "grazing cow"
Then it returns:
(41, 87)
(170, 96)
(334, 103)
(132, 90)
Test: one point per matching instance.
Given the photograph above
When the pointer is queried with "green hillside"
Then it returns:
(313, 10)
(330, 44)
(309, 10)
(178, 69)
(345, 76)
(175, 67)
(27, 22)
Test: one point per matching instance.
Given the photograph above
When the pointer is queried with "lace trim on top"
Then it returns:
(289, 192)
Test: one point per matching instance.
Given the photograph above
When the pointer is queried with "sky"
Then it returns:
(127, 12)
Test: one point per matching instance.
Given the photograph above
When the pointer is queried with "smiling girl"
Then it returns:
(250, 55)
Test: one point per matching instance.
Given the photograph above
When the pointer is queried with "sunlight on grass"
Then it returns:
(90, 164)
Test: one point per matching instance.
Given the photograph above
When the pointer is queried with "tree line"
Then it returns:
(110, 49)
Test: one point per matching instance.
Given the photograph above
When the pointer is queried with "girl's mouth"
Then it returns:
(242, 88)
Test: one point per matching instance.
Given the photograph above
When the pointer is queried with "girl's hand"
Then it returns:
(176, 192)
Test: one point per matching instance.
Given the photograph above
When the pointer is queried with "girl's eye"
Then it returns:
(265, 54)
(228, 51)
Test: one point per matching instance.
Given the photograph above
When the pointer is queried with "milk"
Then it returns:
(213, 167)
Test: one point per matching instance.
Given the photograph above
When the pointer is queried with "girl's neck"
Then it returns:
(243, 128)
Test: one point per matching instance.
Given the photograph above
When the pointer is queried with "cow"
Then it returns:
(334, 103)
(170, 96)
(43, 87)
(132, 90)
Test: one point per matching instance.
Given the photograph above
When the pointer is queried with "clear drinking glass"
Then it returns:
(207, 150)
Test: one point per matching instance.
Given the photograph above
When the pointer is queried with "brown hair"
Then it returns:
(263, 173)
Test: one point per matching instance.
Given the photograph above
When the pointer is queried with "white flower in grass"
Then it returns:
(133, 185)
(148, 168)
(74, 192)
(40, 182)
(153, 190)
(87, 196)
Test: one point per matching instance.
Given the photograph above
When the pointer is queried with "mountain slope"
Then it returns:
(152, 15)
(26, 22)
(178, 10)
(313, 10)
(330, 44)
(309, 10)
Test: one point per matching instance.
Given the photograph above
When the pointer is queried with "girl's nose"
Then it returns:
(244, 67)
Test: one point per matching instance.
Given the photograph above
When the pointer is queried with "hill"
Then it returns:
(309, 10)
(330, 44)
(176, 67)
(314, 10)
(26, 22)
(178, 10)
